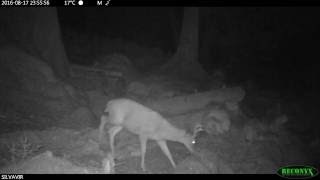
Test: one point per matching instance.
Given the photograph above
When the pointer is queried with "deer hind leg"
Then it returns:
(112, 133)
(164, 148)
(143, 144)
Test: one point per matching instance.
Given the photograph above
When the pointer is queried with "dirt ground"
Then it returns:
(227, 153)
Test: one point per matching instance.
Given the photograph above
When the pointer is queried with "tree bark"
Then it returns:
(185, 61)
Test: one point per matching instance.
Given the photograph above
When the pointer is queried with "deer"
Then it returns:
(148, 124)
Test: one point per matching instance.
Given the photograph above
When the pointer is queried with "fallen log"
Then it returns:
(182, 104)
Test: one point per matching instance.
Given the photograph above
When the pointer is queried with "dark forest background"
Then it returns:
(276, 47)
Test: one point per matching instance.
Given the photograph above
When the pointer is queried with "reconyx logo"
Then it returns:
(297, 172)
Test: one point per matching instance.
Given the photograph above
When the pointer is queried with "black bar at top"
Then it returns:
(181, 3)
(205, 2)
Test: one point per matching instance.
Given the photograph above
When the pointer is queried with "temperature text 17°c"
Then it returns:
(70, 2)
(73, 2)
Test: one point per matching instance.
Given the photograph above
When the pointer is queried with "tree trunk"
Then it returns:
(37, 31)
(185, 61)
(174, 24)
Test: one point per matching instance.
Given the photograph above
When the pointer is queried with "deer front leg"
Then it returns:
(164, 148)
(112, 133)
(103, 121)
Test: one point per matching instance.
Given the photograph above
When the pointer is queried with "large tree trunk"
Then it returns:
(37, 31)
(174, 24)
(185, 61)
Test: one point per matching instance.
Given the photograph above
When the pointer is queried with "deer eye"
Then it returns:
(193, 141)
